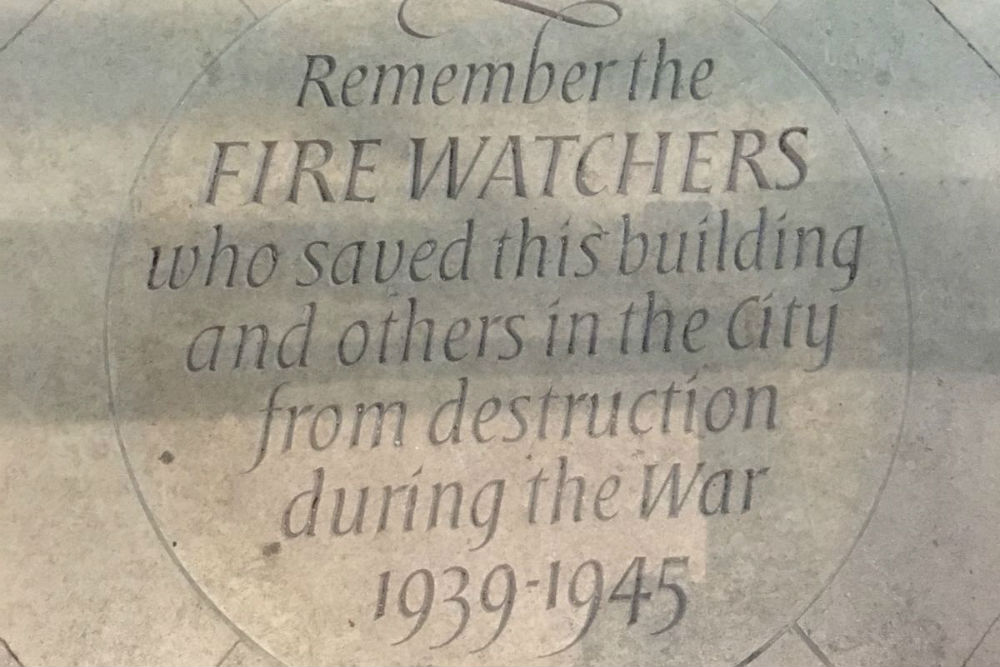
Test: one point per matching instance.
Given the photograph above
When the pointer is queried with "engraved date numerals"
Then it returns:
(454, 596)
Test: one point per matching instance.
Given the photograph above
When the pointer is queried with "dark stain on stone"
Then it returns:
(166, 457)
(272, 549)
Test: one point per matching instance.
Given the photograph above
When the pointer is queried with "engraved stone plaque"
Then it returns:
(499, 332)
(508, 332)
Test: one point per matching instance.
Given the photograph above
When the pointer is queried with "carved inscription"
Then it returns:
(507, 351)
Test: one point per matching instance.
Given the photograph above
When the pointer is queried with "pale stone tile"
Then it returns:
(975, 21)
(913, 589)
(881, 610)
(313, 608)
(261, 8)
(244, 655)
(17, 16)
(7, 657)
(987, 652)
(80, 94)
(84, 579)
(790, 650)
(758, 10)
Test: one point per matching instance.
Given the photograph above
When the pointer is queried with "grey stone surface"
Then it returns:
(929, 547)
(245, 655)
(987, 650)
(757, 9)
(17, 17)
(972, 20)
(198, 567)
(84, 579)
(262, 7)
(7, 657)
(187, 440)
(791, 650)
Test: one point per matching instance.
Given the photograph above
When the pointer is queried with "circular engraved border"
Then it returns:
(801, 66)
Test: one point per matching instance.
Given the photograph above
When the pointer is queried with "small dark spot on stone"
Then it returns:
(935, 543)
(174, 543)
(167, 457)
(350, 622)
(272, 549)
(529, 457)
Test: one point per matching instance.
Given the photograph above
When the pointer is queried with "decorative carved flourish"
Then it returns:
(567, 15)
